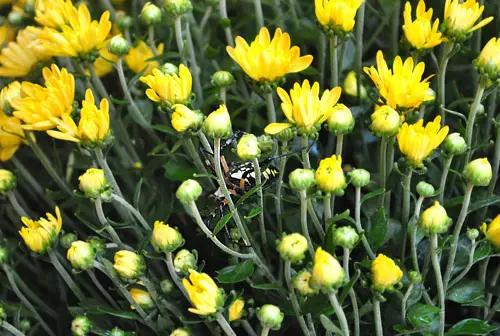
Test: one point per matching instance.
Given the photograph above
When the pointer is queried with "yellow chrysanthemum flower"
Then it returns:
(184, 119)
(7, 34)
(169, 89)
(417, 142)
(93, 127)
(203, 293)
(385, 273)
(11, 136)
(266, 59)
(337, 14)
(460, 18)
(421, 34)
(402, 88)
(103, 65)
(489, 59)
(304, 108)
(329, 176)
(19, 58)
(8, 93)
(55, 13)
(39, 105)
(236, 310)
(40, 235)
(492, 231)
(81, 38)
(139, 58)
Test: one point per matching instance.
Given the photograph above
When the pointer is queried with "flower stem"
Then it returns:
(322, 59)
(379, 331)
(360, 22)
(33, 296)
(107, 171)
(327, 204)
(222, 95)
(439, 282)
(101, 289)
(225, 325)
(352, 294)
(15, 204)
(279, 187)
(405, 216)
(262, 224)
(340, 142)
(204, 142)
(248, 328)
(258, 14)
(303, 221)
(265, 331)
(151, 39)
(293, 298)
(315, 219)
(205, 18)
(404, 301)
(382, 168)
(195, 70)
(305, 152)
(227, 28)
(104, 222)
(395, 28)
(178, 37)
(444, 176)
(10, 328)
(359, 228)
(414, 228)
(467, 268)
(193, 153)
(448, 47)
(173, 274)
(271, 112)
(66, 277)
(470, 121)
(334, 62)
(133, 210)
(339, 312)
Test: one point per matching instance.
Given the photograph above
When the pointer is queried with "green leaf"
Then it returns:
(466, 291)
(329, 326)
(404, 330)
(222, 222)
(236, 273)
(378, 231)
(483, 203)
(268, 287)
(347, 288)
(471, 327)
(137, 194)
(422, 315)
(165, 128)
(249, 193)
(178, 169)
(254, 212)
(482, 251)
(117, 313)
(372, 194)
(337, 218)
(146, 112)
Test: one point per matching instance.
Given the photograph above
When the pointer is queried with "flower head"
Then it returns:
(417, 142)
(421, 34)
(8, 93)
(138, 58)
(460, 19)
(435, 219)
(492, 231)
(41, 235)
(337, 15)
(206, 297)
(169, 89)
(11, 136)
(248, 147)
(184, 119)
(301, 179)
(81, 325)
(327, 273)
(55, 13)
(351, 85)
(304, 108)
(142, 298)
(478, 172)
(402, 88)
(129, 264)
(188, 191)
(236, 310)
(94, 184)
(329, 176)
(81, 255)
(184, 261)
(302, 283)
(270, 316)
(218, 123)
(385, 121)
(266, 59)
(340, 120)
(385, 273)
(166, 238)
(488, 61)
(292, 247)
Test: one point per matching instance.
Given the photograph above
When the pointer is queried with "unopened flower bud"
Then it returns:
(81, 255)
(150, 14)
(142, 298)
(236, 310)
(329, 176)
(16, 18)
(478, 172)
(301, 179)
(98, 244)
(385, 273)
(117, 332)
(218, 123)
(166, 286)
(4, 255)
(341, 120)
(327, 273)
(25, 325)
(184, 261)
(222, 79)
(93, 184)
(169, 69)
(425, 189)
(488, 61)
(435, 219)
(492, 231)
(68, 239)
(414, 277)
(7, 181)
(248, 148)
(472, 234)
(292, 247)
(270, 316)
(184, 119)
(81, 326)
(118, 45)
(454, 144)
(188, 191)
(385, 121)
(360, 178)
(346, 236)
(124, 22)
(3, 315)
(266, 143)
(166, 238)
(301, 283)
(180, 332)
(129, 265)
(351, 86)
(177, 7)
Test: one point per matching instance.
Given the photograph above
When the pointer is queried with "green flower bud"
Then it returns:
(346, 236)
(184, 261)
(16, 18)
(270, 316)
(98, 244)
(129, 265)
(478, 172)
(222, 79)
(166, 286)
(286, 134)
(414, 277)
(472, 234)
(4, 255)
(3, 315)
(454, 144)
(360, 178)
(435, 219)
(169, 69)
(7, 181)
(292, 247)
(25, 325)
(81, 326)
(180, 332)
(177, 7)
(218, 123)
(341, 120)
(81, 255)
(385, 121)
(118, 45)
(266, 143)
(116, 332)
(29, 8)
(301, 283)
(188, 191)
(235, 234)
(301, 179)
(94, 184)
(248, 148)
(166, 238)
(124, 22)
(425, 189)
(150, 14)
(68, 239)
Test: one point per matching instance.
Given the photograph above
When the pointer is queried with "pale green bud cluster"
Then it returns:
(301, 179)
(360, 178)
(222, 79)
(184, 261)
(7, 181)
(81, 326)
(425, 189)
(454, 144)
(177, 7)
(270, 316)
(118, 45)
(346, 236)
(478, 172)
(150, 14)
(248, 148)
(292, 247)
(188, 191)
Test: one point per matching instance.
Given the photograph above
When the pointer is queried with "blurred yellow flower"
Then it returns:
(329, 176)
(492, 231)
(417, 142)
(93, 127)
(183, 118)
(128, 264)
(268, 59)
(7, 34)
(489, 59)
(139, 58)
(402, 88)
(327, 273)
(203, 293)
(169, 89)
(103, 65)
(337, 14)
(236, 309)
(351, 85)
(55, 13)
(460, 18)
(8, 93)
(385, 273)
(304, 108)
(40, 235)
(421, 34)
(11, 136)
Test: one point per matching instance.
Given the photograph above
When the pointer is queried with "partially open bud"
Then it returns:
(341, 120)
(248, 148)
(346, 236)
(117, 332)
(169, 69)
(142, 298)
(478, 172)
(93, 184)
(425, 189)
(177, 7)
(236, 309)
(385, 273)
(166, 238)
(488, 61)
(188, 191)
(329, 176)
(327, 273)
(286, 134)
(385, 121)
(81, 326)
(454, 144)
(266, 143)
(492, 231)
(301, 179)
(118, 45)
(360, 178)
(222, 79)
(435, 219)
(124, 22)
(129, 265)
(166, 286)
(98, 244)
(472, 234)
(68, 239)
(292, 247)
(301, 283)
(7, 181)
(414, 277)
(184, 119)
(81, 255)
(218, 123)
(150, 14)
(270, 316)
(184, 261)
(4, 255)
(180, 332)
(351, 86)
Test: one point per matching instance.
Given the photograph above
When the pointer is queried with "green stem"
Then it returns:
(406, 209)
(414, 229)
(222, 95)
(151, 40)
(472, 118)
(178, 37)
(109, 7)
(195, 156)
(322, 59)
(493, 310)
(395, 28)
(327, 204)
(33, 297)
(496, 164)
(340, 142)
(404, 301)
(271, 111)
(439, 282)
(10, 328)
(303, 221)
(359, 228)
(195, 70)
(66, 277)
(360, 22)
(339, 312)
(382, 168)
(205, 18)
(467, 268)
(225, 325)
(204, 142)
(133, 210)
(265, 331)
(173, 274)
(262, 224)
(150, 287)
(489, 297)
(444, 176)
(293, 298)
(334, 62)
(107, 171)
(279, 187)
(305, 152)
(101, 289)
(448, 47)
(248, 328)
(315, 219)
(15, 204)
(379, 331)
(104, 222)
(227, 28)
(352, 294)
(258, 14)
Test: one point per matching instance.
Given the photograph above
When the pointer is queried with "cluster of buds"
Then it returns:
(177, 8)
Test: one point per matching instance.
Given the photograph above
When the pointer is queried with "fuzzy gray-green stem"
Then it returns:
(322, 59)
(359, 228)
(444, 176)
(225, 325)
(334, 62)
(352, 294)
(315, 219)
(265, 331)
(339, 312)
(258, 14)
(262, 224)
(471, 120)
(414, 229)
(178, 37)
(395, 28)
(104, 222)
(195, 156)
(379, 331)
(327, 204)
(293, 298)
(107, 171)
(10, 328)
(15, 204)
(101, 289)
(66, 277)
(305, 152)
(151, 40)
(204, 142)
(279, 186)
(447, 48)
(406, 209)
(467, 268)
(489, 297)
(132, 210)
(195, 70)
(227, 29)
(303, 221)
(404, 301)
(382, 168)
(339, 145)
(271, 111)
(439, 282)
(173, 274)
(360, 22)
